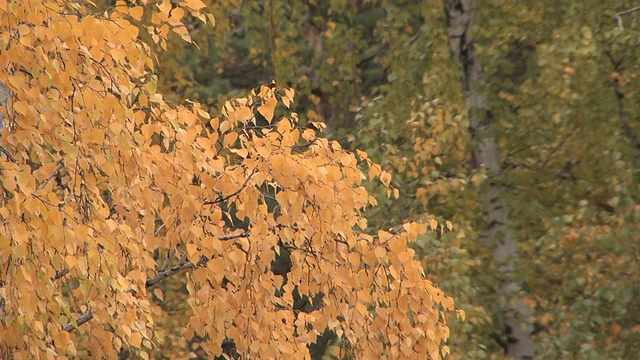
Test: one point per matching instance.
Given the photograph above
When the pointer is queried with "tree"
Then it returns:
(498, 235)
(107, 191)
(561, 84)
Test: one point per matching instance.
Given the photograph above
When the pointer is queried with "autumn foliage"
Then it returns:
(107, 190)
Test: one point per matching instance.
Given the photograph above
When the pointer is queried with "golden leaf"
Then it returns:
(135, 340)
(243, 114)
(194, 4)
(136, 12)
(268, 108)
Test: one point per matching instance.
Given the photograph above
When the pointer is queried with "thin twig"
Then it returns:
(619, 16)
(225, 198)
(8, 154)
(52, 175)
(182, 265)
(170, 256)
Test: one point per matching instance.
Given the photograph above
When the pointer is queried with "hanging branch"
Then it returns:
(225, 198)
(163, 273)
(81, 320)
(619, 16)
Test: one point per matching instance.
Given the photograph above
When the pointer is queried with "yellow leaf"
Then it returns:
(385, 178)
(212, 20)
(433, 223)
(72, 261)
(449, 225)
(136, 12)
(135, 340)
(447, 303)
(354, 259)
(26, 182)
(21, 107)
(5, 246)
(268, 108)
(240, 152)
(194, 4)
(165, 7)
(129, 317)
(308, 134)
(192, 251)
(226, 125)
(243, 114)
(288, 97)
(93, 136)
(374, 171)
(284, 126)
(62, 339)
(230, 139)
(16, 81)
(158, 293)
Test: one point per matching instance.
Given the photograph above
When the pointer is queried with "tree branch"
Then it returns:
(7, 154)
(619, 16)
(225, 198)
(163, 273)
(81, 320)
(184, 264)
(61, 273)
(53, 174)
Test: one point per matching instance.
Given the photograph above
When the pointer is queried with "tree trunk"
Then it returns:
(498, 235)
(4, 102)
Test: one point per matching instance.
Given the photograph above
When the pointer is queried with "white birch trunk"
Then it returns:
(498, 235)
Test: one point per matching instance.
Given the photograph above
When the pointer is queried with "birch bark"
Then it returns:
(461, 15)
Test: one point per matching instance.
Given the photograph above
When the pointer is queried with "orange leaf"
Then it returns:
(135, 340)
(194, 4)
(268, 108)
(243, 114)
(21, 107)
(136, 12)
(62, 339)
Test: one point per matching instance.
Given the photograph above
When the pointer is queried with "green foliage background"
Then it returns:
(563, 81)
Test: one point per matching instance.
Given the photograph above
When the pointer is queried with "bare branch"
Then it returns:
(8, 154)
(170, 256)
(619, 16)
(234, 236)
(182, 265)
(81, 320)
(225, 198)
(53, 174)
(61, 273)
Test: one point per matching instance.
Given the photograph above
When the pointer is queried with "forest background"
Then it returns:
(517, 121)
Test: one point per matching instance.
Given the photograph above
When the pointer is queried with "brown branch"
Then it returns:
(52, 175)
(7, 154)
(184, 264)
(170, 255)
(61, 273)
(234, 236)
(81, 320)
